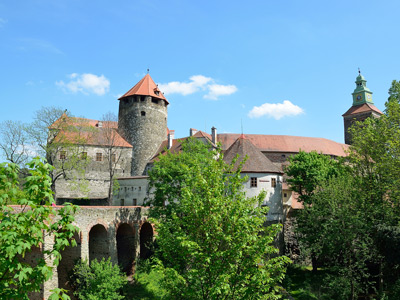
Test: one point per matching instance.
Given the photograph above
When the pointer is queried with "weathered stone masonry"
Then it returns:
(120, 233)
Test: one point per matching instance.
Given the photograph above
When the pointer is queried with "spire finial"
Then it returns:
(359, 71)
(148, 70)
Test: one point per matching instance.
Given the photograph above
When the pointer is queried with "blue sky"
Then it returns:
(277, 67)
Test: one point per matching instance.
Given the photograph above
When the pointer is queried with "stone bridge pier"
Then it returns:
(121, 233)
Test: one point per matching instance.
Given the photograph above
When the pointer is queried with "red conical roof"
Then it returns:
(145, 87)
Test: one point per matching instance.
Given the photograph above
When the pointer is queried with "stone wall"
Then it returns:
(96, 174)
(113, 232)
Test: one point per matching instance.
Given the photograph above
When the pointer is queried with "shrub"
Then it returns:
(99, 280)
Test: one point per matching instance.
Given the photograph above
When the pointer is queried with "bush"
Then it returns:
(99, 280)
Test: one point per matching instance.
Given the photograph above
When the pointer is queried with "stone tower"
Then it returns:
(362, 108)
(142, 121)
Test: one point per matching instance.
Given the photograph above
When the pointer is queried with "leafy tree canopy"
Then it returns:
(23, 229)
(212, 240)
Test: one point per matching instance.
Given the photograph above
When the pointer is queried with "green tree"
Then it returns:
(212, 242)
(23, 228)
(99, 280)
(350, 220)
(307, 169)
(335, 230)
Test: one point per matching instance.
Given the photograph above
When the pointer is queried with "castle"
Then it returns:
(141, 134)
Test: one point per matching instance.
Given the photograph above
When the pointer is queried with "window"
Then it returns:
(143, 113)
(63, 154)
(140, 188)
(122, 202)
(114, 158)
(134, 202)
(83, 155)
(154, 101)
(253, 182)
(273, 182)
(284, 195)
(99, 156)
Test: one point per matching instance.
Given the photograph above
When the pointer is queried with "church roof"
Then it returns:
(358, 109)
(256, 161)
(145, 87)
(287, 143)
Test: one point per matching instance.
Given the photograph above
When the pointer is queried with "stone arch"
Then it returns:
(69, 256)
(98, 243)
(146, 239)
(126, 247)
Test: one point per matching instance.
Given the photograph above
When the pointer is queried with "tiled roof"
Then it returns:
(145, 87)
(88, 132)
(177, 144)
(256, 161)
(287, 143)
(362, 108)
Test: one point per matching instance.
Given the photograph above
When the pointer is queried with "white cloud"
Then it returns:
(276, 110)
(185, 88)
(197, 83)
(216, 90)
(86, 84)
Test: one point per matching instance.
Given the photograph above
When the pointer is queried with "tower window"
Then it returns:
(273, 182)
(143, 113)
(253, 182)
(154, 101)
(134, 202)
(99, 156)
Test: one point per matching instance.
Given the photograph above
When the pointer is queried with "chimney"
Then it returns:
(214, 135)
(193, 131)
(171, 136)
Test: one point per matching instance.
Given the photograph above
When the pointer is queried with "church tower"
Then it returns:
(362, 108)
(142, 121)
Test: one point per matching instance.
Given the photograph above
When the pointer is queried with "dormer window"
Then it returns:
(157, 93)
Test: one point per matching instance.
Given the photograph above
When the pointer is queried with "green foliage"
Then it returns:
(307, 169)
(147, 283)
(351, 220)
(99, 280)
(212, 242)
(24, 227)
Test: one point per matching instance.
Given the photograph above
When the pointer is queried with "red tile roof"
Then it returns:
(366, 107)
(88, 132)
(177, 144)
(256, 161)
(145, 87)
(287, 143)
